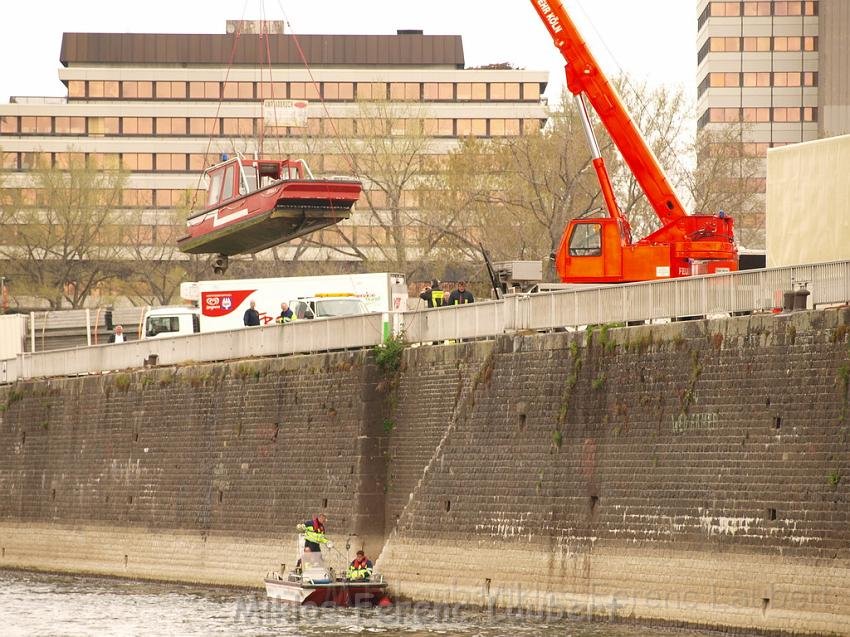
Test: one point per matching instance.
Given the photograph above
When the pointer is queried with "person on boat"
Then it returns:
(252, 316)
(360, 568)
(314, 533)
(286, 314)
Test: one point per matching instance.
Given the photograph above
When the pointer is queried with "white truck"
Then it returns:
(220, 305)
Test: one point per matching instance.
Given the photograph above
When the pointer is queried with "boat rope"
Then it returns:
(347, 155)
(216, 119)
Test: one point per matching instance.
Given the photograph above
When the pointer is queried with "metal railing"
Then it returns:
(707, 296)
(352, 332)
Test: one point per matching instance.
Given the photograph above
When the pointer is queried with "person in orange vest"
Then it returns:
(360, 568)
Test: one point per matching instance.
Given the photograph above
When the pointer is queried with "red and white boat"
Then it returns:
(315, 583)
(254, 204)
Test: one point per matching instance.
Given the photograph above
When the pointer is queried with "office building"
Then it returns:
(165, 106)
(776, 70)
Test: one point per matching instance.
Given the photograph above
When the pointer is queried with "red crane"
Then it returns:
(602, 250)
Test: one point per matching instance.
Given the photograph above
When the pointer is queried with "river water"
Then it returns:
(64, 605)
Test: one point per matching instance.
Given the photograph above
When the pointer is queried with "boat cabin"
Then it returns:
(238, 176)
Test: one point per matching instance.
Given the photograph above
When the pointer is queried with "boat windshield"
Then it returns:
(250, 177)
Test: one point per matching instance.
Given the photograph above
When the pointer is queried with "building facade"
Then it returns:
(776, 70)
(163, 107)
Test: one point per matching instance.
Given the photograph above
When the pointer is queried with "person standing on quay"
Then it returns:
(252, 316)
(461, 295)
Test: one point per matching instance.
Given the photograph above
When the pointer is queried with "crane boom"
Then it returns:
(603, 250)
(585, 77)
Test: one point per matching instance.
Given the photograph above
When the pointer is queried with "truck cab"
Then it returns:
(165, 322)
(327, 306)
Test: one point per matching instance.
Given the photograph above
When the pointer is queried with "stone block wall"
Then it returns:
(237, 452)
(694, 472)
(690, 472)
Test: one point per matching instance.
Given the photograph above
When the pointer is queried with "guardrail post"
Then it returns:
(88, 327)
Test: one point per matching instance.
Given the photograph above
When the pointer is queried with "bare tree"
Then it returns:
(64, 240)
(153, 268)
(386, 152)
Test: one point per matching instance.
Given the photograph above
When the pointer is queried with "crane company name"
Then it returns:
(550, 17)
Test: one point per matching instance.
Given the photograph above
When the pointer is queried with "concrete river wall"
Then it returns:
(694, 472)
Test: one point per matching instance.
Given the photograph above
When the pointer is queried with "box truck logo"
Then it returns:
(222, 303)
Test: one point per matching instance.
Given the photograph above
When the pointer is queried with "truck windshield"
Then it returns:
(156, 325)
(339, 307)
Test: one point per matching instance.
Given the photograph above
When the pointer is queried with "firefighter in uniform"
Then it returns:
(360, 568)
(432, 294)
(314, 533)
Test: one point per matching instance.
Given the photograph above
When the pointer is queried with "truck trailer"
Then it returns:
(220, 305)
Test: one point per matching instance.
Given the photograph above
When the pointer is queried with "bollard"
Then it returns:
(801, 299)
(788, 300)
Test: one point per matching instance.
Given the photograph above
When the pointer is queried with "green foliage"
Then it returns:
(122, 382)
(14, 395)
(389, 353)
(389, 425)
(833, 478)
(598, 382)
(557, 438)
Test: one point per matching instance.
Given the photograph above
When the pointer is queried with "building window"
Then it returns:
(338, 90)
(170, 125)
(725, 45)
(71, 125)
(36, 125)
(759, 44)
(405, 91)
(371, 91)
(304, 91)
(271, 90)
(508, 91)
(170, 162)
(238, 90)
(725, 9)
(137, 162)
(760, 79)
(170, 90)
(137, 90)
(757, 8)
(531, 92)
(8, 124)
(204, 126)
(438, 91)
(137, 125)
(76, 88)
(204, 90)
(471, 91)
(239, 126)
(753, 115)
(725, 115)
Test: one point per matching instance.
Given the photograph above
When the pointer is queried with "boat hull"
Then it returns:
(265, 218)
(330, 594)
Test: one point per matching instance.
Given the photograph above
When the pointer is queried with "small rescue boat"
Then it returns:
(314, 583)
(255, 204)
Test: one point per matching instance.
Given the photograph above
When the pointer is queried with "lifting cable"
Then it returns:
(638, 96)
(347, 154)
(216, 119)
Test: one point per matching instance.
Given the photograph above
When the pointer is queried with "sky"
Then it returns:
(650, 40)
